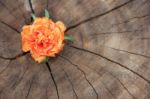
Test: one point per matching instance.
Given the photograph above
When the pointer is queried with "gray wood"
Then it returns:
(109, 59)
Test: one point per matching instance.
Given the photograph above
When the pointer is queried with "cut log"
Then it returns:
(109, 59)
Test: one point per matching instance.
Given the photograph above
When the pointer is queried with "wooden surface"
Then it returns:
(110, 58)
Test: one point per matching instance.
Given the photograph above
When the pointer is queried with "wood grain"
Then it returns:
(109, 59)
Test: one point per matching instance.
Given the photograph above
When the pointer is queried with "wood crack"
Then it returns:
(119, 64)
(20, 79)
(109, 90)
(145, 56)
(20, 10)
(130, 19)
(10, 27)
(116, 79)
(83, 74)
(70, 83)
(31, 7)
(52, 76)
(122, 85)
(47, 4)
(105, 33)
(5, 67)
(13, 58)
(97, 16)
(31, 83)
(8, 9)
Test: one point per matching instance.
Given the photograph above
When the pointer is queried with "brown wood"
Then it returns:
(109, 59)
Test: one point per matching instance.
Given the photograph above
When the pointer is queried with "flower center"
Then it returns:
(40, 44)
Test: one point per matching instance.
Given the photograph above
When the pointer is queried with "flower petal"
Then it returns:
(39, 59)
(43, 38)
(61, 26)
(26, 30)
(25, 47)
(25, 36)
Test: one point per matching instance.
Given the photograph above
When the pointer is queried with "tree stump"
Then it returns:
(110, 58)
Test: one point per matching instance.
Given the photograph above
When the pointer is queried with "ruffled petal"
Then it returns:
(25, 36)
(26, 30)
(39, 59)
(43, 38)
(40, 20)
(61, 26)
(25, 47)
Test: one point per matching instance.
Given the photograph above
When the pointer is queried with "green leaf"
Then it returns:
(33, 16)
(69, 38)
(46, 59)
(46, 13)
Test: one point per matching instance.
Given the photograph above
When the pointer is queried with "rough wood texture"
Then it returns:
(110, 58)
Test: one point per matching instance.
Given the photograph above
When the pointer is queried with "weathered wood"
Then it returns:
(109, 59)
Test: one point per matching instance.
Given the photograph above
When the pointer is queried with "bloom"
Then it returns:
(43, 38)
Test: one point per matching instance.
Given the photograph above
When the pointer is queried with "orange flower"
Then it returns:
(43, 38)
